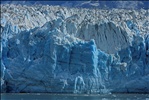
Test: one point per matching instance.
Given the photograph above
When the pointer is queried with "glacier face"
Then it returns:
(58, 49)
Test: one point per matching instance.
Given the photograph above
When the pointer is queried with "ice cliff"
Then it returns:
(74, 50)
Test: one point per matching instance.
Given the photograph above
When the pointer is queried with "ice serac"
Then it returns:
(73, 50)
(108, 36)
(44, 60)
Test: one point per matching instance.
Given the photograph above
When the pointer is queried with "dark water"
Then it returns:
(37, 96)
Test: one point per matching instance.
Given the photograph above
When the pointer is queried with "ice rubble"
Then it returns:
(58, 49)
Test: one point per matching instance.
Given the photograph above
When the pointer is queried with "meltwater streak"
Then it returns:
(39, 96)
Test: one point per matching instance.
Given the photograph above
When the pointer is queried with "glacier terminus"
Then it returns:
(54, 49)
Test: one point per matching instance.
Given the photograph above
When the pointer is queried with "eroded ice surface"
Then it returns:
(58, 49)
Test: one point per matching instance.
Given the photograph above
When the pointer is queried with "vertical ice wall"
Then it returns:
(72, 52)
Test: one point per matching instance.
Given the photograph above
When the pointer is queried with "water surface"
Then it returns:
(45, 96)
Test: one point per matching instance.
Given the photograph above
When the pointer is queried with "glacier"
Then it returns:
(53, 49)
